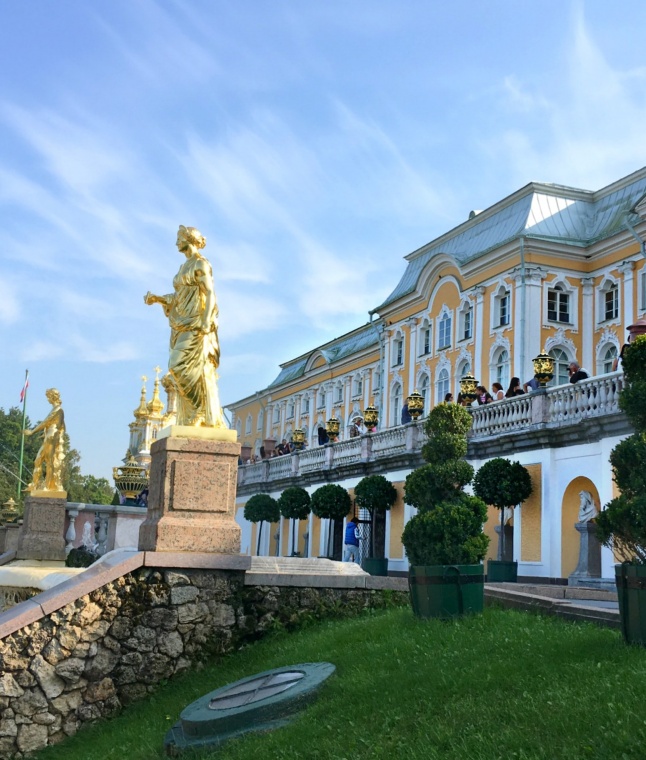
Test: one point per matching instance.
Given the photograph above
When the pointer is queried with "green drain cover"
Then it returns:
(258, 703)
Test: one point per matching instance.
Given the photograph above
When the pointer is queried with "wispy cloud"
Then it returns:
(9, 306)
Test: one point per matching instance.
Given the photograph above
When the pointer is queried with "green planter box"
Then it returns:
(502, 571)
(375, 566)
(446, 591)
(631, 593)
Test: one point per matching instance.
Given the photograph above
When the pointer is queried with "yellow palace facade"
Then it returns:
(548, 268)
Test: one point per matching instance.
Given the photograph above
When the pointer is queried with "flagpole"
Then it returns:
(22, 437)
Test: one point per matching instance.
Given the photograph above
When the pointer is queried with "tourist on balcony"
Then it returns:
(498, 392)
(531, 385)
(323, 436)
(576, 373)
(483, 397)
(283, 447)
(514, 388)
(448, 399)
(406, 418)
(351, 541)
(616, 364)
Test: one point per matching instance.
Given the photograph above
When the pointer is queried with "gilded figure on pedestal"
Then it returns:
(48, 466)
(194, 356)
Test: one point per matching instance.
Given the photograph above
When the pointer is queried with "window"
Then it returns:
(558, 305)
(306, 405)
(502, 368)
(396, 404)
(561, 364)
(502, 308)
(357, 386)
(425, 339)
(444, 333)
(442, 385)
(611, 302)
(247, 428)
(321, 399)
(260, 420)
(398, 352)
(642, 285)
(339, 394)
(467, 324)
(424, 389)
(276, 414)
(376, 380)
(608, 358)
(463, 369)
(290, 410)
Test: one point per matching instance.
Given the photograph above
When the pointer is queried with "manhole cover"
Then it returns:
(261, 702)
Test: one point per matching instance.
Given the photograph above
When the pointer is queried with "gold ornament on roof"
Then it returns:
(48, 465)
(156, 405)
(142, 409)
(194, 355)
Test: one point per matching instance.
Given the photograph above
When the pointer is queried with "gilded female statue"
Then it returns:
(48, 465)
(194, 356)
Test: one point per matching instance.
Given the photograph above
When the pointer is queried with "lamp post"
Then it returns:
(332, 429)
(370, 418)
(468, 386)
(543, 369)
(415, 404)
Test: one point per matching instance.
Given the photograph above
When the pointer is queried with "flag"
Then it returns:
(23, 392)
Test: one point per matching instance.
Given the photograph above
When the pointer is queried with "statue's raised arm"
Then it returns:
(194, 346)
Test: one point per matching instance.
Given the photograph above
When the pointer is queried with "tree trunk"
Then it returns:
(294, 546)
(259, 535)
(502, 533)
(373, 532)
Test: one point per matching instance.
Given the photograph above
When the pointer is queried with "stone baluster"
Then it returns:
(70, 536)
(102, 533)
(366, 448)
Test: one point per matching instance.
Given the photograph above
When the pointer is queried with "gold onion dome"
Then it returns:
(142, 409)
(155, 405)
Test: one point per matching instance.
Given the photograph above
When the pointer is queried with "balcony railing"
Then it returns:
(557, 407)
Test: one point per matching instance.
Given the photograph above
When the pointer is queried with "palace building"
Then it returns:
(550, 269)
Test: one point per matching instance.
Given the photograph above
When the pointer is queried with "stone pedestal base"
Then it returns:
(42, 535)
(191, 504)
(589, 555)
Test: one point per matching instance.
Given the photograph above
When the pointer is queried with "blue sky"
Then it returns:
(314, 144)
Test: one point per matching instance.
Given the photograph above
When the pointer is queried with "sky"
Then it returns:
(313, 144)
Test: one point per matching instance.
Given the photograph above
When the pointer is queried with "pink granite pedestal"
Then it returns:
(42, 535)
(191, 503)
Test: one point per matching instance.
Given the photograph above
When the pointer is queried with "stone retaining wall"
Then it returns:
(87, 659)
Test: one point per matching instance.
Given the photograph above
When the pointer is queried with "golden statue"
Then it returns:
(48, 466)
(194, 357)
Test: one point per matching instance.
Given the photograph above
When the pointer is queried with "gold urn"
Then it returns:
(332, 428)
(130, 479)
(543, 369)
(298, 439)
(9, 512)
(370, 417)
(468, 386)
(415, 404)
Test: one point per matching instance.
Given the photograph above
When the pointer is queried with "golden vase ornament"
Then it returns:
(543, 369)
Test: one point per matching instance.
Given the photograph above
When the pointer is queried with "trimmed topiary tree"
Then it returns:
(622, 524)
(503, 484)
(294, 504)
(374, 493)
(331, 502)
(448, 526)
(261, 508)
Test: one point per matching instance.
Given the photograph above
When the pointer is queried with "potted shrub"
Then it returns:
(503, 484)
(375, 493)
(444, 542)
(621, 525)
(261, 508)
(331, 502)
(294, 504)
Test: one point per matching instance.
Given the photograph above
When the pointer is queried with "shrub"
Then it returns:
(631, 400)
(448, 528)
(374, 493)
(80, 558)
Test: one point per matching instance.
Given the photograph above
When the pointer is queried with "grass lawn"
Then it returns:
(505, 685)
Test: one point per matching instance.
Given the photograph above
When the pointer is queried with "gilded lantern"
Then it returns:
(332, 428)
(10, 512)
(468, 386)
(543, 369)
(415, 404)
(370, 417)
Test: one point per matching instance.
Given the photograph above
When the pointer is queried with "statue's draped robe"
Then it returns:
(194, 355)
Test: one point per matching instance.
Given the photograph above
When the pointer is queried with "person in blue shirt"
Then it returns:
(351, 541)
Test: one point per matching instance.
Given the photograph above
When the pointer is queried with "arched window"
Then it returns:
(561, 364)
(247, 427)
(502, 368)
(442, 385)
(396, 405)
(444, 332)
(261, 419)
(424, 389)
(464, 368)
(607, 359)
(425, 338)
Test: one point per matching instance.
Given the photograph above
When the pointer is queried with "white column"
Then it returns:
(385, 410)
(269, 419)
(348, 401)
(627, 268)
(588, 322)
(534, 277)
(478, 331)
(297, 410)
(412, 352)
